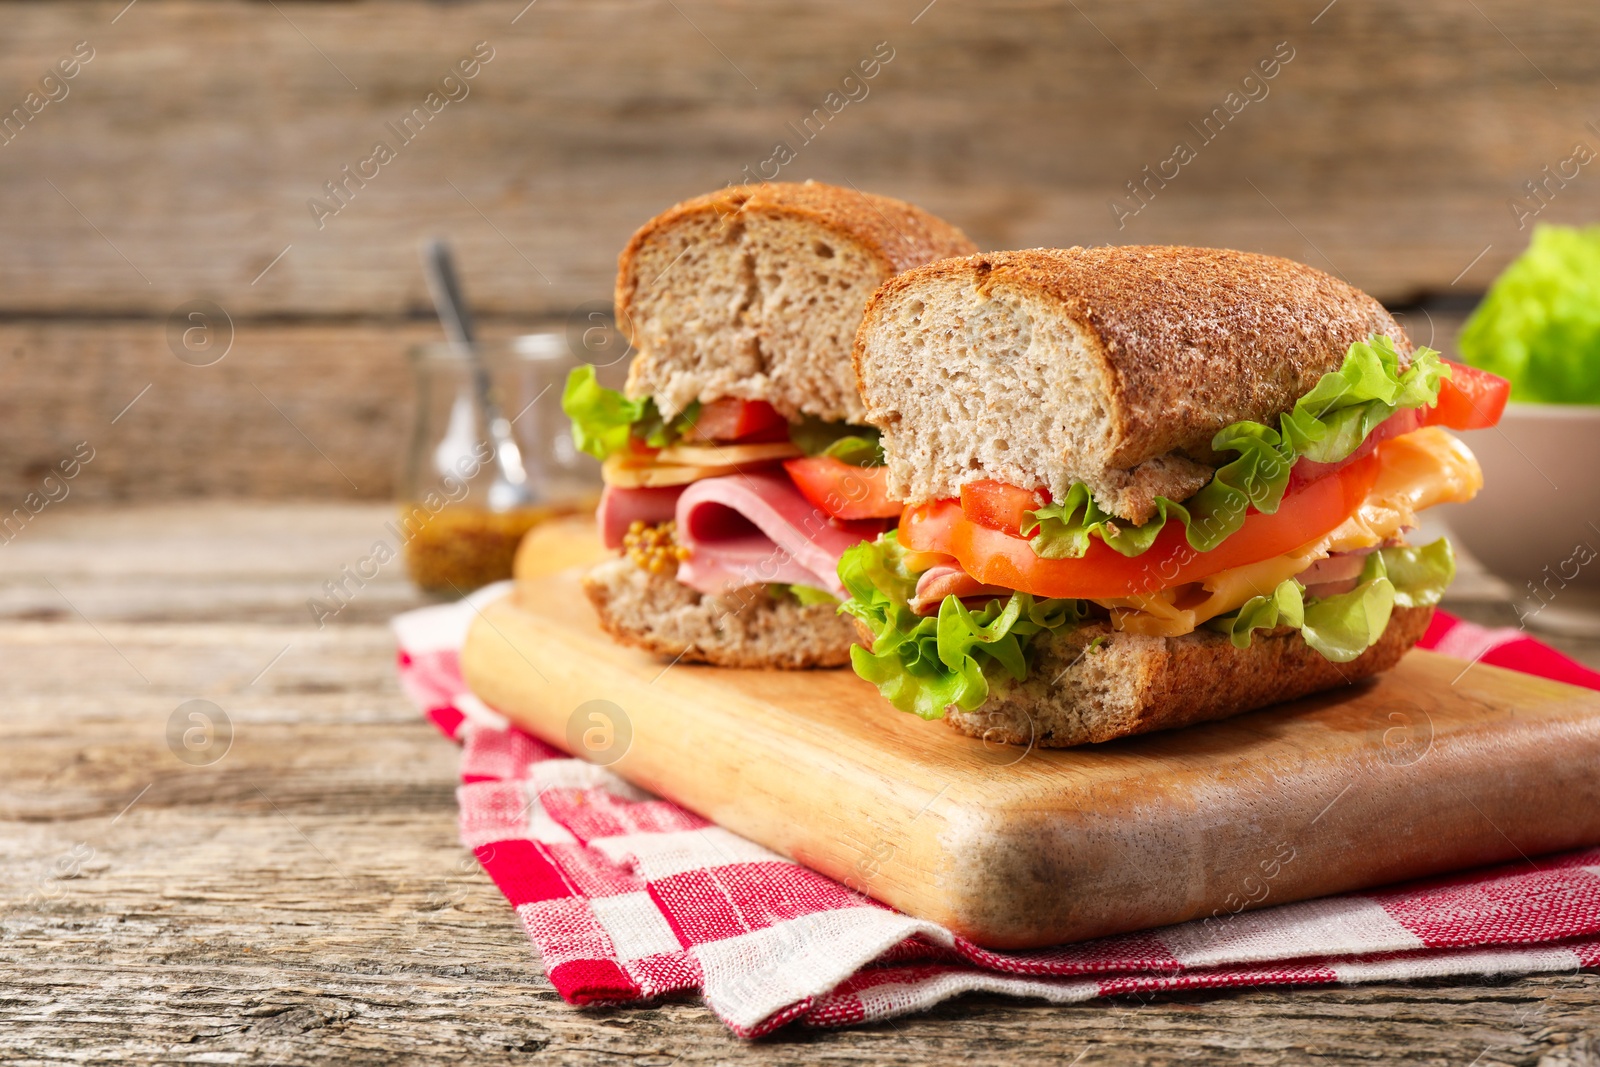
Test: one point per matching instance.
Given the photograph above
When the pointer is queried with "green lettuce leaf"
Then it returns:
(1343, 626)
(1283, 607)
(1331, 421)
(1539, 325)
(806, 594)
(1061, 529)
(858, 450)
(858, 446)
(927, 663)
(1420, 575)
(659, 432)
(1325, 426)
(603, 419)
(1258, 477)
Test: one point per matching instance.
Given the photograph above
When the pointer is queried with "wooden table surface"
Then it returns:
(303, 897)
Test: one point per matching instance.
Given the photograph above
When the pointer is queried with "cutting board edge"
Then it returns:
(962, 911)
(1357, 831)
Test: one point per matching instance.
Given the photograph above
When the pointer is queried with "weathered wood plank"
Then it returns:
(1387, 148)
(304, 898)
(296, 411)
(193, 564)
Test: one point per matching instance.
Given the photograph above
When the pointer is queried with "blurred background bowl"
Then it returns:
(1536, 525)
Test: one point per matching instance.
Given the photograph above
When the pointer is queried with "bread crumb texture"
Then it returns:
(750, 627)
(1114, 367)
(756, 292)
(1090, 683)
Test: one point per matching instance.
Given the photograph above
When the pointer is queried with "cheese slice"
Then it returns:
(1418, 470)
(629, 472)
(726, 455)
(680, 464)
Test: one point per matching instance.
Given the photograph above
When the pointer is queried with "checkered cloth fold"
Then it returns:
(627, 897)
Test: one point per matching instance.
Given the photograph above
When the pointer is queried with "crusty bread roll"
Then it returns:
(752, 627)
(756, 291)
(753, 292)
(1109, 366)
(1078, 691)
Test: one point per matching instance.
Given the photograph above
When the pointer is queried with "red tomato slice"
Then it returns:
(996, 558)
(638, 448)
(732, 419)
(1000, 506)
(843, 491)
(1470, 399)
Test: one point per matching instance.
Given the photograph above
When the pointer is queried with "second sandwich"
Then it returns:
(740, 418)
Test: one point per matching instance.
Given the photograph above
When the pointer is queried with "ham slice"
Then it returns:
(735, 562)
(755, 528)
(620, 508)
(1333, 575)
(938, 582)
(1338, 573)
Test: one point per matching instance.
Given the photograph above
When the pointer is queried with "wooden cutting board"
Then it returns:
(1424, 770)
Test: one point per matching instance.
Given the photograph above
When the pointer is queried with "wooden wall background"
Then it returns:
(180, 163)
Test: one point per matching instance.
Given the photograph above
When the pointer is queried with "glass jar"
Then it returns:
(459, 528)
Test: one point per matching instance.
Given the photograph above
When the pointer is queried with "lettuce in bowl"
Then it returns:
(1539, 325)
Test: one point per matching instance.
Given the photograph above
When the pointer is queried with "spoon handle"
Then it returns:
(510, 488)
(445, 289)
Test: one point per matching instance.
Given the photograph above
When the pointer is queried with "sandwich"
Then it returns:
(740, 413)
(1146, 487)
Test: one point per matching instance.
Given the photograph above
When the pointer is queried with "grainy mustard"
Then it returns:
(654, 548)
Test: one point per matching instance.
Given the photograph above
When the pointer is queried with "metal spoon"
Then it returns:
(474, 404)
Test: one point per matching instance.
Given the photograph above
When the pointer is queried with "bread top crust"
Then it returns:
(899, 235)
(1191, 339)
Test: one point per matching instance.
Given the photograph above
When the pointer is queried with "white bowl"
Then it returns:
(1536, 524)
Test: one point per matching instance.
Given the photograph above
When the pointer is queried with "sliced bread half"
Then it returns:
(1114, 367)
(756, 291)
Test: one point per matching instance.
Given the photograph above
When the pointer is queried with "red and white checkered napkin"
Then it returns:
(628, 897)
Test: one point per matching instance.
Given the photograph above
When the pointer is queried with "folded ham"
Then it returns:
(621, 508)
(736, 562)
(753, 529)
(946, 579)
